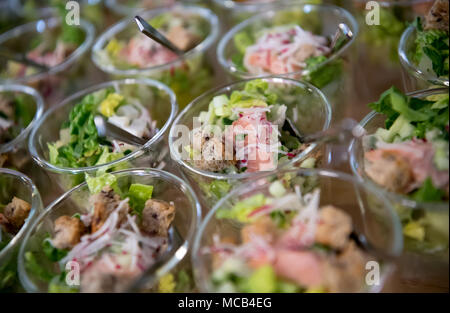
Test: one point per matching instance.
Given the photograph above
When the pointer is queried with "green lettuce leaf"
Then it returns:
(428, 193)
(139, 194)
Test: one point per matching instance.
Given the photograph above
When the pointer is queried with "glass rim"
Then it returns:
(397, 229)
(39, 102)
(403, 3)
(221, 89)
(36, 205)
(228, 37)
(247, 6)
(125, 22)
(410, 66)
(87, 27)
(168, 265)
(124, 10)
(396, 197)
(44, 163)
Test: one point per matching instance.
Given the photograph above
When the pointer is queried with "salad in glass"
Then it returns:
(54, 44)
(424, 48)
(406, 152)
(128, 230)
(293, 41)
(123, 51)
(20, 202)
(20, 108)
(292, 232)
(233, 133)
(67, 143)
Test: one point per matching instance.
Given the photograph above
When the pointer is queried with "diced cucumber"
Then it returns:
(383, 134)
(277, 189)
(441, 156)
(414, 230)
(308, 163)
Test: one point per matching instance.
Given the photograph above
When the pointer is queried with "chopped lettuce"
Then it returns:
(58, 285)
(235, 276)
(441, 155)
(52, 253)
(34, 267)
(160, 20)
(407, 117)
(220, 188)
(139, 194)
(114, 47)
(79, 144)
(321, 75)
(242, 41)
(434, 45)
(262, 280)
(256, 93)
(84, 147)
(428, 193)
(242, 209)
(96, 184)
(107, 157)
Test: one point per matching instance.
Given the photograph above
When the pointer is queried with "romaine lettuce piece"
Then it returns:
(242, 209)
(96, 184)
(139, 194)
(262, 280)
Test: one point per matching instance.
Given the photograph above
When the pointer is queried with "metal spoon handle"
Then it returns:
(106, 129)
(154, 34)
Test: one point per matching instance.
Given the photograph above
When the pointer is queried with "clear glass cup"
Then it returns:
(166, 187)
(189, 75)
(435, 214)
(51, 83)
(15, 153)
(414, 77)
(313, 113)
(372, 215)
(13, 183)
(321, 20)
(155, 96)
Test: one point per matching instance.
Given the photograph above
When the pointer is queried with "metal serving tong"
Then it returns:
(341, 37)
(107, 129)
(154, 34)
